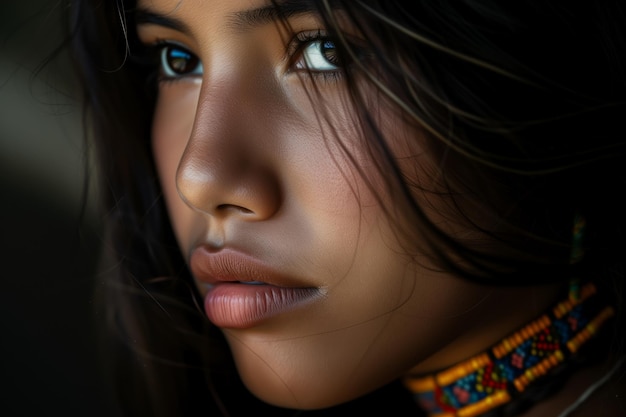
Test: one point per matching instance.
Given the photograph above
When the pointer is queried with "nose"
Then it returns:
(229, 167)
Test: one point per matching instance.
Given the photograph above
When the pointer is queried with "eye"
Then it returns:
(317, 54)
(178, 62)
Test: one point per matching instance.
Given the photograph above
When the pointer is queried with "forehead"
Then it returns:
(216, 6)
(199, 8)
(215, 15)
(209, 4)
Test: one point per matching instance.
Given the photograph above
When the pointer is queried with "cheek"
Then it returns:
(171, 128)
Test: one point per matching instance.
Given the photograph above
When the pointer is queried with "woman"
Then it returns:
(368, 207)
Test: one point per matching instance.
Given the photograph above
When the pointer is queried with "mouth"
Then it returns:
(243, 292)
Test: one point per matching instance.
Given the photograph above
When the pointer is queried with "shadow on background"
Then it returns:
(48, 240)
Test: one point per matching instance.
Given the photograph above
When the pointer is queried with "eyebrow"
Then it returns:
(240, 21)
(145, 17)
(248, 19)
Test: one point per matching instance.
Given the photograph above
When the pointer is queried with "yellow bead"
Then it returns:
(497, 352)
(540, 368)
(572, 346)
(507, 345)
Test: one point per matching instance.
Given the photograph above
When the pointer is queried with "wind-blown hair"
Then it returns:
(521, 104)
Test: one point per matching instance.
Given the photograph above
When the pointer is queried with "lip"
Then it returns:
(243, 292)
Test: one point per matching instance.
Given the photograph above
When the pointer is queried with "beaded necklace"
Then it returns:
(503, 372)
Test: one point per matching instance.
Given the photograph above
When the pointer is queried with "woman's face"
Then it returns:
(298, 263)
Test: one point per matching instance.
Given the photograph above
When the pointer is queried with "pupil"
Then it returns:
(329, 52)
(181, 62)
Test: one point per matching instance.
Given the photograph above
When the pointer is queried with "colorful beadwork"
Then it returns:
(493, 378)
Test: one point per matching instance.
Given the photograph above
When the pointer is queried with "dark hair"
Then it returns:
(516, 119)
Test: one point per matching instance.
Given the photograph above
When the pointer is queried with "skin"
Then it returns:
(246, 163)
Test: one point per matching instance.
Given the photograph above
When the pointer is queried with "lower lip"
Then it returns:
(240, 306)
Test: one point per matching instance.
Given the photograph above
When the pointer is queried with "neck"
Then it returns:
(527, 361)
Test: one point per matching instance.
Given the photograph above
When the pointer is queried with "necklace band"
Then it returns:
(500, 374)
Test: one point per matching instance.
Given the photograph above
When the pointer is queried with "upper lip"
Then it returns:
(227, 265)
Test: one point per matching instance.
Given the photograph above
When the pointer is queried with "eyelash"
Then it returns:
(298, 46)
(158, 50)
(153, 55)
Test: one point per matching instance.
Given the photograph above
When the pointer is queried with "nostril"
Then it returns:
(234, 207)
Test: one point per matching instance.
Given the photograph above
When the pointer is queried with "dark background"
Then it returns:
(49, 235)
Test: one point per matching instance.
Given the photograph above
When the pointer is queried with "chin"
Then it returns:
(300, 387)
(300, 396)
